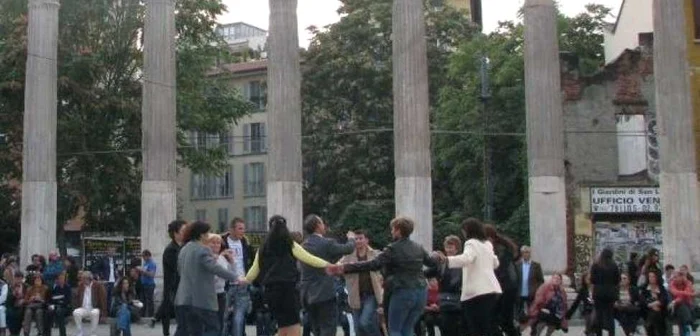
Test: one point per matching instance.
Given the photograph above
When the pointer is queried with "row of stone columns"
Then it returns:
(545, 131)
(159, 186)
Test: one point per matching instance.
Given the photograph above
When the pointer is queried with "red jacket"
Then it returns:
(543, 295)
(681, 289)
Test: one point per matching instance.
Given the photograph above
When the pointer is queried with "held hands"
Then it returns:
(439, 256)
(335, 270)
(350, 235)
(242, 281)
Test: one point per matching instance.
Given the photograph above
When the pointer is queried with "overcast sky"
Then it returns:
(323, 12)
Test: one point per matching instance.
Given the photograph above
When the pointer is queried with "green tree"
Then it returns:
(348, 110)
(99, 95)
(459, 158)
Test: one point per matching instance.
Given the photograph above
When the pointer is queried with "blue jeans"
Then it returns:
(124, 319)
(366, 318)
(405, 309)
(238, 299)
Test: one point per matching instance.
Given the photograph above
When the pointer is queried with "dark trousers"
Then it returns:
(57, 315)
(165, 312)
(478, 314)
(197, 322)
(109, 286)
(524, 303)
(605, 317)
(221, 301)
(323, 317)
(427, 324)
(655, 323)
(451, 323)
(147, 299)
(505, 313)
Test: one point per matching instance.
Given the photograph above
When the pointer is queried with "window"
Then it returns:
(631, 144)
(256, 93)
(210, 141)
(255, 218)
(696, 18)
(212, 186)
(223, 219)
(254, 138)
(200, 215)
(254, 177)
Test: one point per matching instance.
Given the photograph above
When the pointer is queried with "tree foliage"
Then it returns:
(348, 109)
(99, 93)
(459, 159)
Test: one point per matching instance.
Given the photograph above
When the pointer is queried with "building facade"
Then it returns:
(612, 158)
(636, 17)
(240, 191)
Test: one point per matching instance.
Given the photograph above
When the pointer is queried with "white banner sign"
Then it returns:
(625, 200)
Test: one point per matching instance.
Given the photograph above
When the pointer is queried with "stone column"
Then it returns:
(413, 194)
(284, 178)
(678, 179)
(159, 186)
(38, 232)
(545, 136)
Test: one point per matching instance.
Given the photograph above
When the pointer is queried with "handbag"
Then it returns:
(449, 302)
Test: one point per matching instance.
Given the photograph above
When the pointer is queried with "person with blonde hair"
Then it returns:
(224, 258)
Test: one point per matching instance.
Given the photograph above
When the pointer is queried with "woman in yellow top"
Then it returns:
(275, 267)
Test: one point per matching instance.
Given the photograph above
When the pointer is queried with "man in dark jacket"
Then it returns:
(530, 278)
(171, 278)
(318, 288)
(107, 271)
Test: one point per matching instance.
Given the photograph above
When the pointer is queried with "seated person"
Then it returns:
(59, 305)
(429, 320)
(35, 304)
(125, 307)
(91, 302)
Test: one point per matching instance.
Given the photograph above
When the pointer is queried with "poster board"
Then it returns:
(132, 251)
(94, 249)
(625, 238)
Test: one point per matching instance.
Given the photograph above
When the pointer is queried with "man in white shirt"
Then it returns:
(238, 297)
(91, 302)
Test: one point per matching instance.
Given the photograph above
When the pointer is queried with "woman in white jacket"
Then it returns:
(480, 288)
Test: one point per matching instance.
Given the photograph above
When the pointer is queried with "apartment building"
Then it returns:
(240, 191)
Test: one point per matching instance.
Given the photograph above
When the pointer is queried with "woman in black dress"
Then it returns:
(275, 265)
(605, 279)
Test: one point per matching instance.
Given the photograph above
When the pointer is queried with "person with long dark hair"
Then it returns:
(196, 307)
(654, 301)
(605, 279)
(507, 252)
(480, 287)
(171, 278)
(404, 281)
(275, 265)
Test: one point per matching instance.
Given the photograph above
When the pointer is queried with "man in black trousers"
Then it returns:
(171, 278)
(318, 288)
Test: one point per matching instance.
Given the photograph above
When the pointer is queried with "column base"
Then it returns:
(547, 201)
(414, 199)
(38, 228)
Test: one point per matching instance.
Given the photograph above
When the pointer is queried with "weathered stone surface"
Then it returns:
(284, 178)
(411, 118)
(545, 136)
(39, 141)
(679, 189)
(159, 186)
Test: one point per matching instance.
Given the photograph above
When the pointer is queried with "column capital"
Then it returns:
(39, 3)
(534, 3)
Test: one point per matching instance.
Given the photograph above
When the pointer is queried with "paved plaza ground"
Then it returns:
(145, 330)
